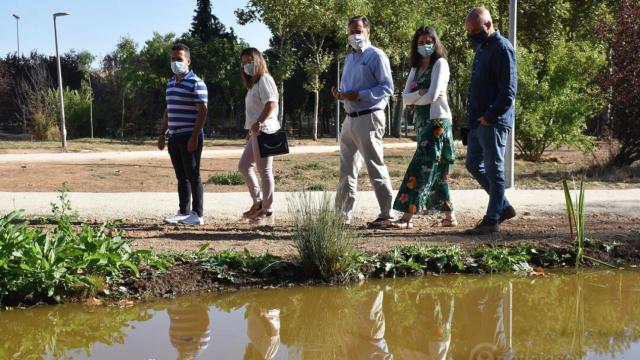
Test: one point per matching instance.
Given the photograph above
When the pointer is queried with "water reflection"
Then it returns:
(189, 329)
(591, 315)
(263, 329)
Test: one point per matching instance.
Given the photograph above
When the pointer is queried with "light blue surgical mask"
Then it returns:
(426, 50)
(248, 69)
(179, 67)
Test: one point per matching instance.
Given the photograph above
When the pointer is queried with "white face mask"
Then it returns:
(356, 41)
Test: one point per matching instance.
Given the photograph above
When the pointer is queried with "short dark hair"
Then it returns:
(439, 50)
(365, 21)
(183, 47)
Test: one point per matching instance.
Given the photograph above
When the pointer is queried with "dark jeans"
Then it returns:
(485, 161)
(187, 167)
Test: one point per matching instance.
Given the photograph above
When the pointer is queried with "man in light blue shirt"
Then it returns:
(365, 88)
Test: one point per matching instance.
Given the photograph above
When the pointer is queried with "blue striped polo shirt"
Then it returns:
(182, 97)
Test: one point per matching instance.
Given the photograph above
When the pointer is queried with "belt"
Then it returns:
(363, 112)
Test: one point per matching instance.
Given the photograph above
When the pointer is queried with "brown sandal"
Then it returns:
(444, 222)
(255, 208)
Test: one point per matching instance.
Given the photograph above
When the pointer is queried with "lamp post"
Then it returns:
(510, 151)
(63, 129)
(18, 55)
(17, 31)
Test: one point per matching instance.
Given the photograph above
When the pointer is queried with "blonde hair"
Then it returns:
(259, 67)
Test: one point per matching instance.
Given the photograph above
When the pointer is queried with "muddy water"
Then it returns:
(591, 315)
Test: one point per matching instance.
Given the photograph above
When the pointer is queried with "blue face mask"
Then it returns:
(248, 69)
(179, 67)
(426, 50)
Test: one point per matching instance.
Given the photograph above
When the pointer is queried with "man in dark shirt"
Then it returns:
(491, 109)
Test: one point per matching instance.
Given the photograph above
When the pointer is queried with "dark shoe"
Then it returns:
(507, 213)
(485, 227)
(379, 223)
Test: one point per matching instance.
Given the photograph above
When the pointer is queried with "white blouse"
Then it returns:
(258, 95)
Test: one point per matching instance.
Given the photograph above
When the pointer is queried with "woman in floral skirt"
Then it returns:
(426, 182)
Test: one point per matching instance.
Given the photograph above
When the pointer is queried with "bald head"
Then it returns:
(478, 21)
(477, 18)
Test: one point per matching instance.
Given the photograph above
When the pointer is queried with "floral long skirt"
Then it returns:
(426, 182)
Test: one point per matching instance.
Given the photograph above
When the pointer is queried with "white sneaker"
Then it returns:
(176, 218)
(192, 219)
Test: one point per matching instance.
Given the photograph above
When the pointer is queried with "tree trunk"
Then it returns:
(316, 95)
(281, 117)
(397, 117)
(122, 119)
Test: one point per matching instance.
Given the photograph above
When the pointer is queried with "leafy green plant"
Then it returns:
(324, 243)
(228, 178)
(35, 265)
(228, 263)
(414, 259)
(500, 259)
(63, 211)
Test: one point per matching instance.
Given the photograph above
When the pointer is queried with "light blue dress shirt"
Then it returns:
(368, 73)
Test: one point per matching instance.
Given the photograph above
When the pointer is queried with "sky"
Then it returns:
(98, 25)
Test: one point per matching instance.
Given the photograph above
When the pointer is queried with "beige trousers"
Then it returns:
(361, 142)
(249, 161)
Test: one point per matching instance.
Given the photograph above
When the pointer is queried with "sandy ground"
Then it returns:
(216, 153)
(612, 215)
(149, 206)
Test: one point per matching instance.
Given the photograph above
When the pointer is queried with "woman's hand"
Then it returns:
(255, 128)
(248, 136)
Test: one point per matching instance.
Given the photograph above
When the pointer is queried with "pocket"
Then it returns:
(378, 123)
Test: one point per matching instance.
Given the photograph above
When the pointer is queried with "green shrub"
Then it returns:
(556, 97)
(325, 244)
(316, 187)
(228, 178)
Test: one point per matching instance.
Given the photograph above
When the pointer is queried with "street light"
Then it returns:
(19, 56)
(63, 128)
(509, 167)
(17, 31)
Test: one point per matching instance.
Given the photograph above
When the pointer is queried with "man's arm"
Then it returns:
(192, 145)
(202, 97)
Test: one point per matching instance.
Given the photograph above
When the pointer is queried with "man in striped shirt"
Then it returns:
(183, 119)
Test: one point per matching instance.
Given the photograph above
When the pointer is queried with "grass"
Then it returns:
(576, 217)
(228, 178)
(325, 244)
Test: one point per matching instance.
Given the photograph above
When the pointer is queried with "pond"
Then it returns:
(586, 315)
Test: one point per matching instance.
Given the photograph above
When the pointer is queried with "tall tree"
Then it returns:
(622, 82)
(205, 25)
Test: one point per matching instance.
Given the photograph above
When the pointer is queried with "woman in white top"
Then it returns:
(261, 105)
(425, 183)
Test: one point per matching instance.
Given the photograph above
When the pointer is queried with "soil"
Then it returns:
(277, 238)
(543, 233)
(298, 172)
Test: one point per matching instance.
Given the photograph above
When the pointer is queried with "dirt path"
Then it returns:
(549, 230)
(215, 153)
(152, 207)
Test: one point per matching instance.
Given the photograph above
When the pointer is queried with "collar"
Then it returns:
(495, 37)
(189, 75)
